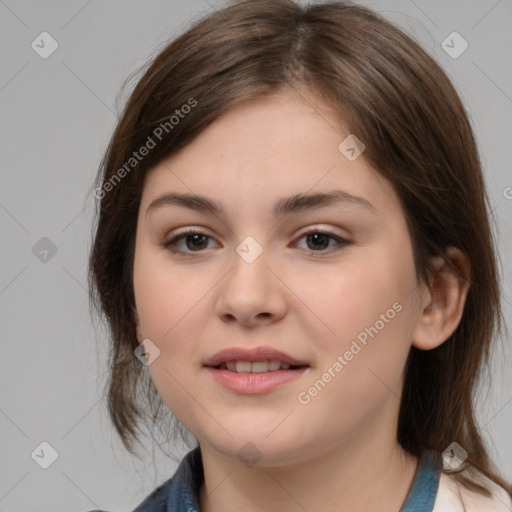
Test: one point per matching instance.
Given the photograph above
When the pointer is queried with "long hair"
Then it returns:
(396, 99)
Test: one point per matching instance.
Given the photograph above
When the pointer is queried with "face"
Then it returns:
(328, 284)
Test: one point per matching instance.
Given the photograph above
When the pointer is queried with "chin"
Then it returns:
(257, 448)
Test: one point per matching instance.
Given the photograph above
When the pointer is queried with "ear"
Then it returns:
(140, 336)
(443, 301)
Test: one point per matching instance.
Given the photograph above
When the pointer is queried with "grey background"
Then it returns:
(57, 116)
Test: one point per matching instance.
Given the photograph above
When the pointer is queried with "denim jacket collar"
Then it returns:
(181, 492)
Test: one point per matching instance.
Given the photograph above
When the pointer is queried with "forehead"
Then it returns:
(266, 148)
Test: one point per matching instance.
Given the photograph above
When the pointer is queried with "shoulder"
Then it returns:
(157, 501)
(453, 497)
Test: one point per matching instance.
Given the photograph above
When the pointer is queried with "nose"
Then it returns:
(251, 293)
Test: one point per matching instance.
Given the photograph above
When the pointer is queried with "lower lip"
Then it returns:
(254, 383)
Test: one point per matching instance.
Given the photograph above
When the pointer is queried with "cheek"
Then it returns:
(166, 297)
(342, 301)
(172, 307)
(368, 308)
(360, 370)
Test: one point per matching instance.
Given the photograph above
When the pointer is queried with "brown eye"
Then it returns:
(194, 241)
(197, 241)
(318, 241)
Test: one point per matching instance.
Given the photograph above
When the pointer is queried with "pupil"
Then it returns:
(195, 238)
(315, 237)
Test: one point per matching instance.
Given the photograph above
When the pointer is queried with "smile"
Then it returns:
(255, 366)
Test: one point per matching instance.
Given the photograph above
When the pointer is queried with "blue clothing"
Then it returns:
(181, 492)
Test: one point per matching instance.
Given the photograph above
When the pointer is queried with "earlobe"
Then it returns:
(443, 303)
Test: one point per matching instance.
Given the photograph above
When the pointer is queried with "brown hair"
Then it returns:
(398, 101)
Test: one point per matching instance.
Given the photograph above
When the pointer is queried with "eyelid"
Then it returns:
(317, 228)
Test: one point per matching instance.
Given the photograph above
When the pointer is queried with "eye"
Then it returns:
(195, 241)
(318, 240)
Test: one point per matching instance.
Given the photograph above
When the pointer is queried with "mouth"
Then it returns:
(254, 360)
(257, 366)
(254, 371)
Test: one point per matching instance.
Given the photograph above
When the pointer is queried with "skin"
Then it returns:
(339, 451)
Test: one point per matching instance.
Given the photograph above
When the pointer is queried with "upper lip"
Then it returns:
(252, 355)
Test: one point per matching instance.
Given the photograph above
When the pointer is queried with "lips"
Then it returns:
(255, 355)
(254, 371)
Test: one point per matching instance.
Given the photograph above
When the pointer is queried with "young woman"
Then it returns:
(294, 255)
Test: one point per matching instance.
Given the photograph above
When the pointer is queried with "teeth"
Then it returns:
(274, 365)
(255, 367)
(243, 367)
(231, 366)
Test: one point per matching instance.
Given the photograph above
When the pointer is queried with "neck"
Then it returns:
(355, 476)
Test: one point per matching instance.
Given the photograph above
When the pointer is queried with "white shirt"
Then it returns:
(453, 497)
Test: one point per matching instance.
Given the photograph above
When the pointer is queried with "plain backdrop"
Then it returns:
(57, 114)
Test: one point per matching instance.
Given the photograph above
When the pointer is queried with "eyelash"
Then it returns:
(170, 245)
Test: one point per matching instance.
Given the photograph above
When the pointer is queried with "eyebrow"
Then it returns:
(284, 206)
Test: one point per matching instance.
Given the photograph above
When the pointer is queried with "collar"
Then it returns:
(181, 492)
(424, 488)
